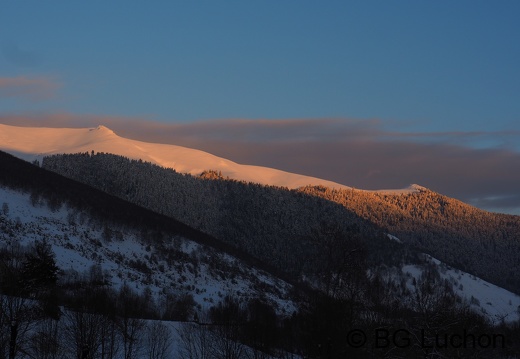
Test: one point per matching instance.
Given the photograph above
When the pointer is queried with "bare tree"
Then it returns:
(195, 341)
(82, 334)
(158, 340)
(229, 319)
(130, 330)
(129, 307)
(225, 344)
(45, 342)
(110, 343)
(19, 317)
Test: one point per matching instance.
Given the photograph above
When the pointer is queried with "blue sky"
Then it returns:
(434, 73)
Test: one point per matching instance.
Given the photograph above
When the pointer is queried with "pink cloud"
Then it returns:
(32, 88)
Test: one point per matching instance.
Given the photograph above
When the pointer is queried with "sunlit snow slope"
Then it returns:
(30, 143)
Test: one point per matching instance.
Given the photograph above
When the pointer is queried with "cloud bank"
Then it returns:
(30, 88)
(359, 153)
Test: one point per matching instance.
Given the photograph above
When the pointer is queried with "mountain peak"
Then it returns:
(102, 128)
(32, 143)
(417, 188)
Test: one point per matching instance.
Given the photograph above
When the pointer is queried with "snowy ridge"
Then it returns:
(79, 244)
(32, 143)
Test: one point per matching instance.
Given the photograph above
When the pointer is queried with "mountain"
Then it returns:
(456, 233)
(119, 264)
(88, 228)
(287, 228)
(336, 258)
(109, 249)
(482, 243)
(32, 143)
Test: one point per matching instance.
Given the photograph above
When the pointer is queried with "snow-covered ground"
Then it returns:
(79, 244)
(495, 302)
(32, 143)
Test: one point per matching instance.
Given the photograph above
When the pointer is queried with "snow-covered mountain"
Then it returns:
(81, 244)
(30, 143)
(126, 256)
(104, 245)
(43, 205)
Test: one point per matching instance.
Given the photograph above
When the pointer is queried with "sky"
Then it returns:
(370, 94)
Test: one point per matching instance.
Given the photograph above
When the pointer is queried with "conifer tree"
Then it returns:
(40, 271)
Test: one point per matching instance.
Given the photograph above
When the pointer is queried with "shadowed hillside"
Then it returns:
(278, 225)
(484, 243)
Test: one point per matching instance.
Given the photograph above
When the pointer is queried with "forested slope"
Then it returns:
(289, 228)
(285, 228)
(484, 243)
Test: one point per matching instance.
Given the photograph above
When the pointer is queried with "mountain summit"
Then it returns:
(33, 143)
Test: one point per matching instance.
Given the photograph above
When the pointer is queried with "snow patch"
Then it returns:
(394, 238)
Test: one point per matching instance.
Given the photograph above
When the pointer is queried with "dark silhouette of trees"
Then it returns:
(24, 299)
(158, 341)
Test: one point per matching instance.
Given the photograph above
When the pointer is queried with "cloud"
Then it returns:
(31, 88)
(359, 153)
(507, 203)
